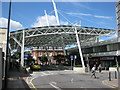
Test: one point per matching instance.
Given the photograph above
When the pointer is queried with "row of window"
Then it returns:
(103, 48)
(49, 53)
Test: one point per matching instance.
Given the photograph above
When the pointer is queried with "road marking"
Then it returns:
(33, 84)
(72, 80)
(53, 84)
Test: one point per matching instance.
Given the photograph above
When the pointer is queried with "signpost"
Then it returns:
(75, 57)
(71, 57)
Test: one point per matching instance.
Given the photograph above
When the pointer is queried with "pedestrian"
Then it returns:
(100, 68)
(93, 71)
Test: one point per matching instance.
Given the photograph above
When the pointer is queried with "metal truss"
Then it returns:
(51, 36)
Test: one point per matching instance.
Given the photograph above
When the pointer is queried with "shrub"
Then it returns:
(78, 65)
(115, 66)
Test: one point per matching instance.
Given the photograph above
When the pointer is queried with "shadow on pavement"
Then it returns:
(16, 79)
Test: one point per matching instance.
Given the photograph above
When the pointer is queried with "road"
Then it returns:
(67, 79)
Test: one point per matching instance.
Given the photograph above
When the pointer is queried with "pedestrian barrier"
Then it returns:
(115, 75)
(109, 76)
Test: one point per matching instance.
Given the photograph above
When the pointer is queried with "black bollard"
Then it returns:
(115, 75)
(109, 76)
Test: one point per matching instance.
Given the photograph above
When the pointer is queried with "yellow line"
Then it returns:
(33, 85)
(112, 86)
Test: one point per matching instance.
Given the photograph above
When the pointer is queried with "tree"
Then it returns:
(43, 59)
(16, 55)
(29, 60)
(59, 58)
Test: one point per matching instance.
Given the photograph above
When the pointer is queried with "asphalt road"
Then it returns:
(62, 79)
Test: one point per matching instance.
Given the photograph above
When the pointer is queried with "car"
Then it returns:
(35, 67)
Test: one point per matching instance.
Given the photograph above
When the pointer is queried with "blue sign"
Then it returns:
(25, 55)
(72, 57)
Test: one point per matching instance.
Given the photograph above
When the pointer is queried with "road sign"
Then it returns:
(71, 57)
(75, 56)
(26, 55)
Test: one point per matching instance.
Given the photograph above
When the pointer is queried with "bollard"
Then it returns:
(109, 76)
(115, 75)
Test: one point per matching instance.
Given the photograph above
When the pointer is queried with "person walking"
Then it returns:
(93, 71)
(100, 68)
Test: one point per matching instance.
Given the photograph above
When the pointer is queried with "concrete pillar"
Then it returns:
(79, 47)
(22, 49)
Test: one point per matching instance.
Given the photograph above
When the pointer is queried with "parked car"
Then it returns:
(35, 67)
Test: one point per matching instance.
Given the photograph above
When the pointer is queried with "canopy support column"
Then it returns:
(79, 47)
(22, 49)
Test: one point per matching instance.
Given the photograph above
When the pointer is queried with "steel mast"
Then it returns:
(56, 13)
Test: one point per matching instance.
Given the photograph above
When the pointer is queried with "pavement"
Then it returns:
(16, 79)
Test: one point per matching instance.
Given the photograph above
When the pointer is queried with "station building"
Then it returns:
(103, 52)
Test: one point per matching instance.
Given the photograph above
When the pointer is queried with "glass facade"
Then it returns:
(102, 48)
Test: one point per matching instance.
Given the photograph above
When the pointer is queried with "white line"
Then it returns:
(52, 84)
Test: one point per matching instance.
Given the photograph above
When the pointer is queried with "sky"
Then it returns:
(88, 14)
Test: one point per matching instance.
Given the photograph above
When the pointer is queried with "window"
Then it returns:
(118, 46)
(40, 53)
(113, 47)
(51, 54)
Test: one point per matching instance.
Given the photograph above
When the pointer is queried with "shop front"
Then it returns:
(107, 62)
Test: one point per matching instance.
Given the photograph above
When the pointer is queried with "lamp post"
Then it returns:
(7, 46)
(118, 70)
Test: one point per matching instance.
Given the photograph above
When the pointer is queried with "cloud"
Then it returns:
(41, 21)
(103, 17)
(81, 14)
(87, 14)
(13, 24)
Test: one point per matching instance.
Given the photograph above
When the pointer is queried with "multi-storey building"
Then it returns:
(104, 52)
(118, 19)
(3, 38)
(42, 52)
